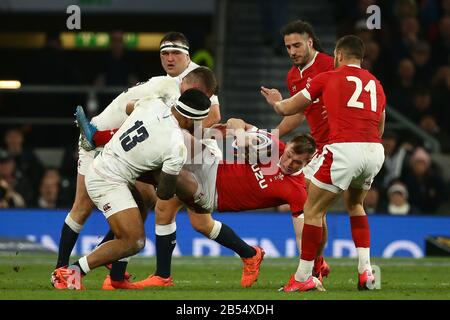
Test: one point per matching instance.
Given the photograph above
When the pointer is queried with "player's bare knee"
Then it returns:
(134, 244)
(163, 219)
(140, 244)
(149, 203)
(201, 228)
(312, 211)
(349, 209)
(354, 209)
(164, 215)
(82, 208)
(80, 215)
(202, 223)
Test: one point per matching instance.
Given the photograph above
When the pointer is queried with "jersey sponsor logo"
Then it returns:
(107, 207)
(259, 176)
(294, 88)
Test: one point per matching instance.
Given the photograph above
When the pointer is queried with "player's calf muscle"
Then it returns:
(202, 223)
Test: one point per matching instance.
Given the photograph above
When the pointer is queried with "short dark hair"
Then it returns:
(175, 36)
(303, 143)
(301, 27)
(206, 77)
(352, 47)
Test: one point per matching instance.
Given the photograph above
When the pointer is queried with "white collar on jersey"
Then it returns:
(168, 114)
(309, 64)
(353, 65)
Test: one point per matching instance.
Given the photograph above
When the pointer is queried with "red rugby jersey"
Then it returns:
(354, 100)
(297, 80)
(248, 187)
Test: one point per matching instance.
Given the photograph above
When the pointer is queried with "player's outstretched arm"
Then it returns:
(290, 123)
(102, 137)
(287, 107)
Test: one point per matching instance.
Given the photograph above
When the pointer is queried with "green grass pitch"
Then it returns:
(27, 276)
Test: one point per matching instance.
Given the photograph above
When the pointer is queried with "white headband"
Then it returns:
(189, 112)
(178, 46)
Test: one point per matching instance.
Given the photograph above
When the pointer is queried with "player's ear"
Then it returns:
(310, 42)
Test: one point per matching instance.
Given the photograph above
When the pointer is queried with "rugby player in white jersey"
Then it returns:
(175, 59)
(146, 141)
(176, 62)
(112, 117)
(165, 230)
(217, 185)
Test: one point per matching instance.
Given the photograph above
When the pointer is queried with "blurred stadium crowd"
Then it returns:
(409, 54)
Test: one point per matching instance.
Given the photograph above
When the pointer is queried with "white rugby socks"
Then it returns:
(304, 270)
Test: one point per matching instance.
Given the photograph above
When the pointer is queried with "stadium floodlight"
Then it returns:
(10, 84)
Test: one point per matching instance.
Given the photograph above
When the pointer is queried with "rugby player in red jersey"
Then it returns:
(308, 60)
(355, 105)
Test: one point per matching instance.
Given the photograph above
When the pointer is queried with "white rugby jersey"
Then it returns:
(114, 114)
(166, 87)
(146, 141)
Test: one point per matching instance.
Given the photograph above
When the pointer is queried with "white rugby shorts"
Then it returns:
(311, 167)
(352, 164)
(206, 174)
(85, 158)
(108, 195)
